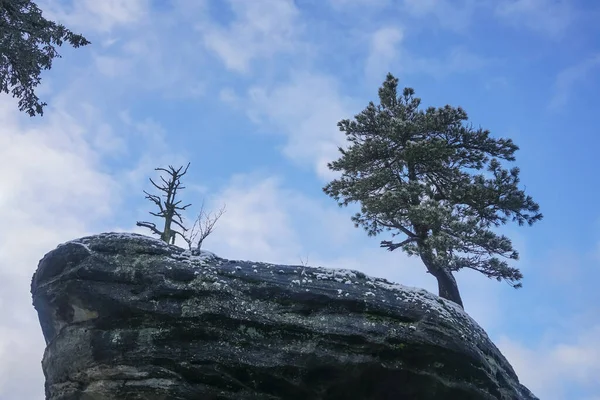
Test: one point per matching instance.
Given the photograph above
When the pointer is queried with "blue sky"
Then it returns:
(250, 93)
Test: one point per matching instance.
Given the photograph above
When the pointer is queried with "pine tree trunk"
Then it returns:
(447, 286)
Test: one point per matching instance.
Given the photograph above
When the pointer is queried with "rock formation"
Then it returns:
(127, 316)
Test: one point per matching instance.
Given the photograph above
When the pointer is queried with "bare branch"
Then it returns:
(203, 226)
(161, 188)
(166, 183)
(149, 225)
(176, 207)
(304, 262)
(180, 224)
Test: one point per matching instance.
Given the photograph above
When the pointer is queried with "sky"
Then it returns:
(249, 92)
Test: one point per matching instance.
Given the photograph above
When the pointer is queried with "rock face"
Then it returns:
(127, 316)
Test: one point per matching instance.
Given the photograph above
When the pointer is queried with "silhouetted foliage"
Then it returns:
(27, 46)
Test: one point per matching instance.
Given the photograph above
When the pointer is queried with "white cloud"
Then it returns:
(569, 78)
(260, 29)
(98, 16)
(256, 224)
(135, 46)
(383, 52)
(306, 110)
(55, 187)
(151, 58)
(547, 17)
(155, 153)
(551, 368)
(51, 191)
(387, 53)
(112, 66)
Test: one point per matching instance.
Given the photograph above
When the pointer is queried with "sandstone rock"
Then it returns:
(127, 316)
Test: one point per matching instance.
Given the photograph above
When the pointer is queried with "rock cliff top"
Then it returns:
(126, 316)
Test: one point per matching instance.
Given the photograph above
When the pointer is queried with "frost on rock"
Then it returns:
(117, 235)
(191, 304)
(374, 287)
(445, 309)
(195, 256)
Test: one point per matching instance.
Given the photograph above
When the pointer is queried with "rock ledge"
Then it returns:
(126, 316)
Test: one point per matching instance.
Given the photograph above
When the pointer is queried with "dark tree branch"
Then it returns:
(169, 208)
(149, 225)
(393, 246)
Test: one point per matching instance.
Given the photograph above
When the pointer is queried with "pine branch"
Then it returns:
(393, 246)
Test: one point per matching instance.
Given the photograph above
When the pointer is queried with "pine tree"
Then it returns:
(431, 178)
(27, 45)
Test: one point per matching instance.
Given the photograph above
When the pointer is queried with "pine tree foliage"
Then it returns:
(436, 182)
(27, 45)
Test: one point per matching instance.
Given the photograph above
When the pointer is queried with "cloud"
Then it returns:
(97, 16)
(57, 185)
(387, 52)
(569, 78)
(383, 52)
(265, 220)
(547, 17)
(112, 66)
(256, 224)
(52, 190)
(152, 58)
(135, 46)
(305, 110)
(259, 30)
(553, 368)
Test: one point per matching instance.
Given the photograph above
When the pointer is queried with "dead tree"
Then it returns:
(203, 226)
(169, 208)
